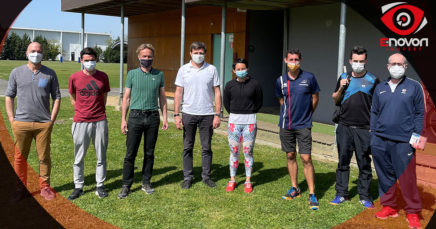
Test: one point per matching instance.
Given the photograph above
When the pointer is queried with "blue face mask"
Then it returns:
(146, 63)
(241, 74)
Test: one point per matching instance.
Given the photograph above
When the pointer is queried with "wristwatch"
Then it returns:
(218, 115)
(175, 115)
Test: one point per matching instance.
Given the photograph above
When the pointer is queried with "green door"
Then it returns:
(228, 55)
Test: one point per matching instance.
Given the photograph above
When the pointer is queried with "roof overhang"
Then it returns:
(137, 7)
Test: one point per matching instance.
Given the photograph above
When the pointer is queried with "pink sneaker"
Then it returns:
(386, 212)
(48, 193)
(413, 220)
(230, 186)
(248, 187)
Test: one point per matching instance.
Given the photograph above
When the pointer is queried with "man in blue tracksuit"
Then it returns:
(397, 112)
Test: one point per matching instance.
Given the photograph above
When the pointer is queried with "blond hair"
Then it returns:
(144, 46)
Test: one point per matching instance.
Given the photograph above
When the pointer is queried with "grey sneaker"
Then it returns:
(147, 188)
(101, 193)
(186, 184)
(125, 191)
(209, 183)
(77, 192)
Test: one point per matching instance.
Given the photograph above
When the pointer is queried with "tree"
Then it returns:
(99, 52)
(21, 49)
(112, 52)
(11, 43)
(49, 48)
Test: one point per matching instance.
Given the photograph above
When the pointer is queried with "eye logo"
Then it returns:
(402, 18)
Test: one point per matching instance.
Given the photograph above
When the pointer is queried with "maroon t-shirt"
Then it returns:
(89, 92)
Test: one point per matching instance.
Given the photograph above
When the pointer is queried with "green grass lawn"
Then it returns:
(200, 206)
(65, 69)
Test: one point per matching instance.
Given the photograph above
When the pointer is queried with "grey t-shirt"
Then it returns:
(33, 93)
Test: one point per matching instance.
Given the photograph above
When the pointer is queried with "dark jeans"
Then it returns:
(351, 139)
(190, 123)
(140, 122)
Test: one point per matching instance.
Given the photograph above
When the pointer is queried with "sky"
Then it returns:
(47, 14)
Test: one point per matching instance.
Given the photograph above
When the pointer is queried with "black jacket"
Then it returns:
(243, 97)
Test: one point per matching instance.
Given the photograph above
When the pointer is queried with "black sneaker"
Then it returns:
(186, 184)
(101, 193)
(147, 188)
(209, 183)
(77, 192)
(125, 191)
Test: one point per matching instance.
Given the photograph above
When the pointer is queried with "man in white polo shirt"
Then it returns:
(198, 83)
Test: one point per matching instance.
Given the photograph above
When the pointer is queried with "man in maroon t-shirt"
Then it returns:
(88, 93)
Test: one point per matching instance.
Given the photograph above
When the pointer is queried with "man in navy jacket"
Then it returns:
(397, 113)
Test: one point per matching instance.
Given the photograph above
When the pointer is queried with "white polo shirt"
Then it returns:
(198, 88)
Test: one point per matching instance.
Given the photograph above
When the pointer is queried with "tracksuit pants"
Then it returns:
(349, 140)
(394, 160)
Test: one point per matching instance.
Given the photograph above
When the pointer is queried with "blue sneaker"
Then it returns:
(338, 200)
(367, 204)
(292, 193)
(313, 202)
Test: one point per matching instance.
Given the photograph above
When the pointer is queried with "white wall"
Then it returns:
(70, 40)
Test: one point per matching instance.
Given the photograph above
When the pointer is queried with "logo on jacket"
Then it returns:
(304, 83)
(382, 92)
(403, 19)
(91, 89)
(404, 91)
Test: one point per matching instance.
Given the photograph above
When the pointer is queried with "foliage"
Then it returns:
(50, 49)
(9, 49)
(112, 52)
(99, 52)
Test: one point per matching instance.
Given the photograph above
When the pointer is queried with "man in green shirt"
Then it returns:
(144, 86)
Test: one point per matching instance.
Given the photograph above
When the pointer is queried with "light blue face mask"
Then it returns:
(241, 74)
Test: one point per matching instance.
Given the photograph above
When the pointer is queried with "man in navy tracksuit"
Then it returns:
(397, 112)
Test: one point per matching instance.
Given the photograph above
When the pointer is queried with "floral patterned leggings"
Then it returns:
(245, 134)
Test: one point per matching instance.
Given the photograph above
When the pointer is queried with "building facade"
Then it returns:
(70, 41)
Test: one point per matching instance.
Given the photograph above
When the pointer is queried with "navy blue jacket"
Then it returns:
(296, 111)
(397, 115)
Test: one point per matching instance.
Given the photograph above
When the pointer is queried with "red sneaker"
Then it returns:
(248, 187)
(386, 212)
(413, 220)
(47, 193)
(230, 186)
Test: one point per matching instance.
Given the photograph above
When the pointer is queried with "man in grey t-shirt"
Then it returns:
(33, 84)
(198, 82)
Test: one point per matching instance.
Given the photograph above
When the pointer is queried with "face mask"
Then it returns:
(89, 65)
(241, 74)
(35, 57)
(397, 71)
(198, 58)
(293, 66)
(146, 62)
(358, 67)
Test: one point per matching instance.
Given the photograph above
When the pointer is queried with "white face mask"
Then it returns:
(198, 58)
(358, 67)
(89, 65)
(397, 71)
(35, 57)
